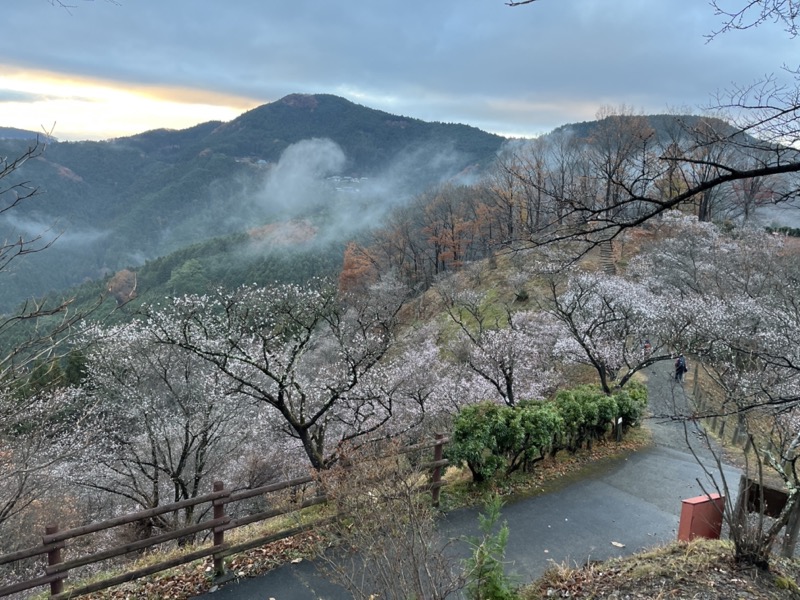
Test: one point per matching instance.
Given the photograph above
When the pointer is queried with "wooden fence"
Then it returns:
(56, 544)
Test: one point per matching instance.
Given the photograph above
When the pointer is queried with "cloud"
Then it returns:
(297, 180)
(446, 61)
(19, 96)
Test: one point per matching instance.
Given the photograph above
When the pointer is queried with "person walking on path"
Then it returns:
(680, 368)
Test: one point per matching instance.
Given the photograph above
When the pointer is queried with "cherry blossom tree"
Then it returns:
(607, 320)
(508, 355)
(742, 326)
(169, 423)
(303, 353)
(417, 381)
(711, 278)
(40, 434)
(751, 354)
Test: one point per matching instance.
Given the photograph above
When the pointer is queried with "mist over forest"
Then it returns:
(107, 206)
(280, 192)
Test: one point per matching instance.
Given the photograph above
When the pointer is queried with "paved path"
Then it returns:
(635, 501)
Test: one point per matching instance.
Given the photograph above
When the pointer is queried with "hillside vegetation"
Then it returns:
(489, 308)
(117, 203)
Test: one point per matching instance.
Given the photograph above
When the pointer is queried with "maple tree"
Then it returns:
(358, 268)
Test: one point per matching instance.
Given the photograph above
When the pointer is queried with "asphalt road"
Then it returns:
(622, 507)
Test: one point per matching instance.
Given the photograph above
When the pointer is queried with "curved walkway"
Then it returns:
(633, 501)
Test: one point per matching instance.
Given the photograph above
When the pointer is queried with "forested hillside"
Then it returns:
(116, 204)
(289, 220)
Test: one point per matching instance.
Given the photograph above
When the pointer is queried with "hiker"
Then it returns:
(680, 368)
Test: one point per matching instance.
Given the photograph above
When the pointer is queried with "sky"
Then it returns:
(109, 68)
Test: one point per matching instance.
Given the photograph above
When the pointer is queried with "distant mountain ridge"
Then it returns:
(120, 202)
(665, 127)
(187, 200)
(12, 133)
(368, 136)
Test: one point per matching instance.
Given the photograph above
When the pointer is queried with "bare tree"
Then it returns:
(25, 326)
(502, 196)
(752, 13)
(614, 150)
(765, 127)
(386, 543)
(34, 420)
(68, 6)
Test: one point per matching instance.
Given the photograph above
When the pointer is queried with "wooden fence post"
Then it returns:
(54, 558)
(219, 533)
(436, 479)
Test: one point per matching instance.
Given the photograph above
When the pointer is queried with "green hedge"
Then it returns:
(488, 437)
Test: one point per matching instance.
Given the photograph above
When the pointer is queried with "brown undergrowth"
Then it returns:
(697, 570)
(196, 578)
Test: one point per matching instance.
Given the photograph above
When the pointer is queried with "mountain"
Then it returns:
(665, 127)
(119, 203)
(12, 133)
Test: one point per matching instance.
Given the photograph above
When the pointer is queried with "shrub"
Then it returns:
(631, 403)
(474, 440)
(489, 437)
(607, 412)
(580, 412)
(540, 424)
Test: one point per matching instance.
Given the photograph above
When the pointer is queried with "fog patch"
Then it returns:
(297, 182)
(418, 168)
(312, 199)
(45, 232)
(786, 214)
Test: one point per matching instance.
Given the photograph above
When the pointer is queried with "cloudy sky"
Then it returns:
(107, 68)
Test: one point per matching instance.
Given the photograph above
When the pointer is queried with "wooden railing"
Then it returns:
(56, 543)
